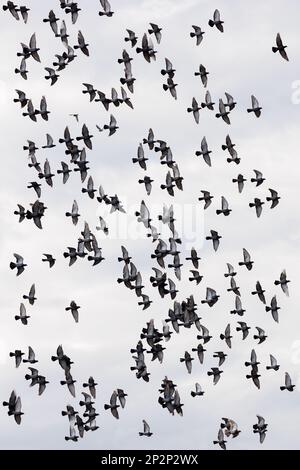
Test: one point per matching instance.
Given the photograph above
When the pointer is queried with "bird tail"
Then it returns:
(165, 87)
(17, 317)
(54, 358)
(274, 49)
(123, 81)
(268, 309)
(247, 364)
(251, 204)
(12, 265)
(209, 373)
(106, 407)
(211, 23)
(224, 147)
(193, 394)
(138, 50)
(249, 110)
(27, 376)
(218, 211)
(134, 160)
(282, 388)
(276, 283)
(192, 35)
(222, 336)
(68, 214)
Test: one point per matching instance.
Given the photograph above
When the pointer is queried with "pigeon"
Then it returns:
(215, 237)
(31, 296)
(196, 276)
(31, 112)
(74, 310)
(225, 208)
(247, 260)
(261, 336)
(52, 75)
(22, 316)
(274, 365)
(147, 49)
(52, 20)
(113, 407)
(231, 104)
(43, 111)
(221, 356)
(208, 102)
(141, 159)
(73, 437)
(217, 21)
(216, 373)
(65, 171)
(146, 302)
(280, 47)
(202, 74)
(231, 427)
(188, 361)
(273, 309)
(17, 354)
(90, 188)
(283, 283)
(254, 375)
(274, 198)
(260, 292)
(231, 271)
(287, 383)
(199, 392)
(221, 441)
(112, 126)
(47, 174)
(86, 137)
(200, 350)
(204, 152)
(240, 180)
(195, 110)
(21, 98)
(260, 428)
(22, 70)
(132, 38)
(226, 336)
(238, 306)
(156, 30)
(106, 9)
(169, 70)
(82, 45)
(233, 287)
(102, 226)
(69, 382)
(194, 258)
(31, 50)
(31, 356)
(49, 259)
(122, 397)
(259, 179)
(258, 206)
(198, 34)
(146, 432)
(19, 264)
(125, 98)
(91, 384)
(222, 112)
(13, 9)
(207, 198)
(50, 144)
(256, 109)
(244, 328)
(253, 360)
(171, 86)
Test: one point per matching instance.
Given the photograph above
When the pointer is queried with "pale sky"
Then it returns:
(241, 62)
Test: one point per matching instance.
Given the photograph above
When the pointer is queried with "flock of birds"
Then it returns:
(183, 313)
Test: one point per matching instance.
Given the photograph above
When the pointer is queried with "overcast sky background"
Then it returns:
(241, 62)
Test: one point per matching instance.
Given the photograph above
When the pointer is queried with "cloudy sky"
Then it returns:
(241, 62)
